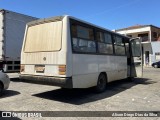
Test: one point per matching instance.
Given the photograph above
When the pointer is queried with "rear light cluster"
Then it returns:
(62, 69)
(22, 68)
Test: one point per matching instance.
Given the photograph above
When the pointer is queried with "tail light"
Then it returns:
(62, 69)
(22, 68)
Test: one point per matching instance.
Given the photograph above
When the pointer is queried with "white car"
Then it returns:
(4, 82)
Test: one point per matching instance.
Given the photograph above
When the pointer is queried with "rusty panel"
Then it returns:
(44, 37)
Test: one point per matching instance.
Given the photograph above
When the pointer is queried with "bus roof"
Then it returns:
(59, 18)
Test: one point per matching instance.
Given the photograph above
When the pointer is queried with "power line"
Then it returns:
(112, 9)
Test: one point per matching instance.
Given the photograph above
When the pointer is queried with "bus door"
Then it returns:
(136, 58)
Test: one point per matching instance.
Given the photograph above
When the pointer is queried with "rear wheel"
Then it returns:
(1, 89)
(131, 79)
(101, 83)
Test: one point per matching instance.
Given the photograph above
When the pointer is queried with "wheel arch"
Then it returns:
(105, 75)
(2, 84)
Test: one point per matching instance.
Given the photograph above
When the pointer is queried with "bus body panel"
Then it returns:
(87, 68)
(121, 67)
(67, 44)
(82, 70)
(50, 59)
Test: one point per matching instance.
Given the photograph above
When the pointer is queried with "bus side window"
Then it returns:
(119, 46)
(83, 39)
(104, 42)
(136, 49)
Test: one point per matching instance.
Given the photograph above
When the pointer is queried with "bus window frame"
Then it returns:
(114, 43)
(73, 21)
(104, 32)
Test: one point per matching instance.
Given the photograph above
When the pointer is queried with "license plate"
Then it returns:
(39, 68)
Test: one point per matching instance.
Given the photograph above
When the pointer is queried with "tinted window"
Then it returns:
(136, 48)
(105, 48)
(108, 38)
(82, 32)
(119, 45)
(83, 39)
(104, 43)
(99, 36)
(80, 45)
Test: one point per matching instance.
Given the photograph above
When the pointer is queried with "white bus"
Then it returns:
(67, 52)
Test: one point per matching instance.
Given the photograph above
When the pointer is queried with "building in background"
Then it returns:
(150, 35)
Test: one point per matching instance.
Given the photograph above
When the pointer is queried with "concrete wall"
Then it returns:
(138, 30)
(157, 30)
(152, 45)
(155, 49)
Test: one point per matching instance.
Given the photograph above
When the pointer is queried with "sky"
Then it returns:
(110, 14)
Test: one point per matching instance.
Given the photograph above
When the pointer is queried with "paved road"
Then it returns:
(140, 95)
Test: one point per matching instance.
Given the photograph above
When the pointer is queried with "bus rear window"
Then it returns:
(44, 37)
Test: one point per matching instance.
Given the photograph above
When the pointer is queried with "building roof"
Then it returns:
(136, 27)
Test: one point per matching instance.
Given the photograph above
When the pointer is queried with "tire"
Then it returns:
(101, 83)
(131, 79)
(155, 66)
(1, 89)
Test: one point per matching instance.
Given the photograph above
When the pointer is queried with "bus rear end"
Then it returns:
(44, 53)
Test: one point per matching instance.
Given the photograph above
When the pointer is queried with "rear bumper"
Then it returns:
(65, 82)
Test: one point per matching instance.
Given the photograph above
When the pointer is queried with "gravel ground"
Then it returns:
(139, 95)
